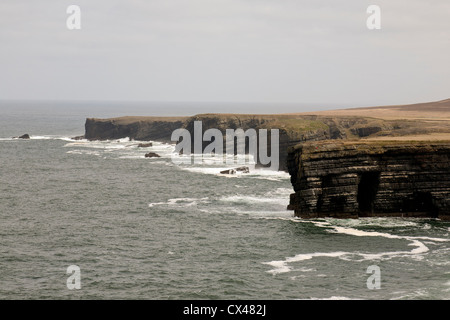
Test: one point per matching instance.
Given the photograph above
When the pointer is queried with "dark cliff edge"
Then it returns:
(350, 179)
(136, 128)
(293, 129)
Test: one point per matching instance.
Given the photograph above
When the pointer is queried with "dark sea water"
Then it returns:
(142, 228)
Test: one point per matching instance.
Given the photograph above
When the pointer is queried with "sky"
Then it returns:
(247, 51)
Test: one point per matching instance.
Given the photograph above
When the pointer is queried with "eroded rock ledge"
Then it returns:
(350, 179)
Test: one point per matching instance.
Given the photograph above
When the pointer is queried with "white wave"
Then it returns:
(281, 266)
(270, 174)
(163, 149)
(50, 137)
(384, 222)
(114, 147)
(106, 145)
(411, 296)
(285, 215)
(79, 143)
(255, 173)
(252, 199)
(213, 171)
(277, 215)
(152, 204)
(212, 165)
(360, 233)
(184, 202)
(333, 298)
(86, 152)
(132, 157)
(75, 152)
(39, 137)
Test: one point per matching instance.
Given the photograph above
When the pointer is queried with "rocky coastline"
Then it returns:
(293, 129)
(345, 164)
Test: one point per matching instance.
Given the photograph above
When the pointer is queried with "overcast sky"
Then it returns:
(274, 51)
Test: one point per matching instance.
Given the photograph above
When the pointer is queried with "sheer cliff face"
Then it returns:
(355, 179)
(287, 137)
(136, 128)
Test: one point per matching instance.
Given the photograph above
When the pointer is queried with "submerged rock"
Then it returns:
(152, 155)
(78, 138)
(228, 171)
(25, 136)
(233, 171)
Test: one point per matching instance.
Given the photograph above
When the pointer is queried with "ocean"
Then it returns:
(147, 228)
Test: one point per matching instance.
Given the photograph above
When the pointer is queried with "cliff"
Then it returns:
(136, 128)
(293, 129)
(349, 179)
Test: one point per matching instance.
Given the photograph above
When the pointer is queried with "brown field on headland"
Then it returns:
(429, 121)
(433, 111)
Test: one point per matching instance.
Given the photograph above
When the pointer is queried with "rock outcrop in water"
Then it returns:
(233, 171)
(152, 155)
(145, 145)
(349, 179)
(25, 136)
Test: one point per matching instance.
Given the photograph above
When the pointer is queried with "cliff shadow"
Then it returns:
(421, 203)
(367, 192)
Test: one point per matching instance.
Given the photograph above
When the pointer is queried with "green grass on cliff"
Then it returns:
(297, 125)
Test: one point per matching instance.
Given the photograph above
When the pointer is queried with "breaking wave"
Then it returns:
(419, 247)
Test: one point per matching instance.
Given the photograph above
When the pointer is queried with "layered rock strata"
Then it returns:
(135, 128)
(350, 179)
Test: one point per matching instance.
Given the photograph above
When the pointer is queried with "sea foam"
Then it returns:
(282, 266)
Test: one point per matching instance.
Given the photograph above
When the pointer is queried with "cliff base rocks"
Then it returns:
(152, 155)
(233, 171)
(145, 145)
